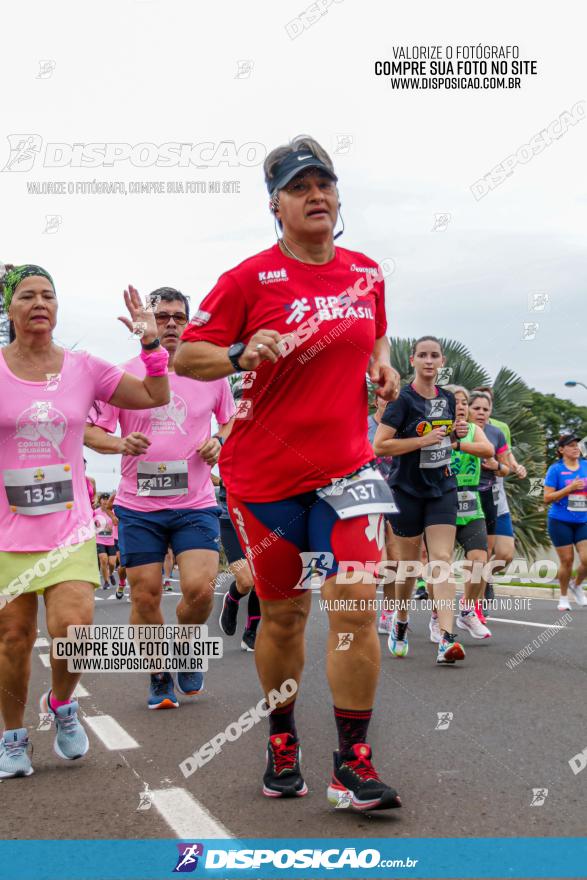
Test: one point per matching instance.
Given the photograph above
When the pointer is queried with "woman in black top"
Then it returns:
(420, 430)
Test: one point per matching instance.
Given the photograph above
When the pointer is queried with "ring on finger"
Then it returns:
(259, 346)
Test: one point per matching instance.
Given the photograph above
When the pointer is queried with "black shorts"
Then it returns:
(490, 510)
(473, 536)
(416, 513)
(230, 541)
(108, 549)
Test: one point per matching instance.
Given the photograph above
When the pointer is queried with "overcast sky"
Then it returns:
(155, 72)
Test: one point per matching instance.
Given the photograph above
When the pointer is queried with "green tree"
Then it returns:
(514, 404)
(558, 417)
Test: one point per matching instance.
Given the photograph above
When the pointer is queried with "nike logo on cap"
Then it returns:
(300, 158)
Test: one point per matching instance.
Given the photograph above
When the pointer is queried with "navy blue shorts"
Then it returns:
(565, 534)
(504, 525)
(145, 537)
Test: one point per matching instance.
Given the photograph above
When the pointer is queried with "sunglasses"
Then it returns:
(165, 317)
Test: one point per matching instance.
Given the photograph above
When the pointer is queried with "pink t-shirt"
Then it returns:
(104, 528)
(179, 479)
(44, 499)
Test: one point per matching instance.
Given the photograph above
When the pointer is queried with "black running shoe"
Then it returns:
(228, 615)
(283, 776)
(356, 783)
(112, 580)
(248, 640)
(421, 592)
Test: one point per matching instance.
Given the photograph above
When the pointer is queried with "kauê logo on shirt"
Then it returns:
(40, 431)
(270, 277)
(169, 418)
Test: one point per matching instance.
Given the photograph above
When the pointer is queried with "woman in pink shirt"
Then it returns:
(47, 540)
(106, 535)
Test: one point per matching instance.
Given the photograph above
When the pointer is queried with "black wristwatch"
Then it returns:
(219, 438)
(152, 345)
(458, 446)
(234, 352)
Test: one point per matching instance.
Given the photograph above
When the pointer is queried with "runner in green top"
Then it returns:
(502, 543)
(471, 531)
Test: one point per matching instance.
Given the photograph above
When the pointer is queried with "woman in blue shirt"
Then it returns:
(565, 489)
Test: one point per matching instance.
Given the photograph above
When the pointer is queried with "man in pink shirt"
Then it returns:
(166, 497)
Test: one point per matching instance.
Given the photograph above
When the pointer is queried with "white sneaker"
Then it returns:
(577, 593)
(434, 628)
(471, 622)
(385, 621)
(564, 604)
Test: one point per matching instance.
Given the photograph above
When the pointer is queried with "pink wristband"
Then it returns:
(155, 361)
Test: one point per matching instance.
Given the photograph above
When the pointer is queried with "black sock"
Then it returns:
(448, 636)
(234, 593)
(352, 727)
(281, 720)
(253, 611)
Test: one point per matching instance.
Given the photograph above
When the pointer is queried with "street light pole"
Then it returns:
(571, 383)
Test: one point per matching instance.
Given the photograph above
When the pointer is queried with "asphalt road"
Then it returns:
(512, 730)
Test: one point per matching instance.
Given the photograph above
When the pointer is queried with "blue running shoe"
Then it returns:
(161, 693)
(190, 683)
(398, 637)
(71, 741)
(14, 759)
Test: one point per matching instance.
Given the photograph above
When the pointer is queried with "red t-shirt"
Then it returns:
(302, 419)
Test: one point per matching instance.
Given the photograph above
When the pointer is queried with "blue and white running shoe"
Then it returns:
(161, 693)
(190, 683)
(71, 741)
(14, 759)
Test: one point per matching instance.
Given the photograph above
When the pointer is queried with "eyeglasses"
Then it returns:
(165, 318)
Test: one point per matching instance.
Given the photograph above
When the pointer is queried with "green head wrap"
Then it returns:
(13, 277)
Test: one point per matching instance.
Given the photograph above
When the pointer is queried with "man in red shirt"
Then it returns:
(307, 320)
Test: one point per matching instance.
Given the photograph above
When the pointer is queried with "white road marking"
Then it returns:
(42, 643)
(110, 732)
(527, 623)
(80, 691)
(45, 660)
(186, 816)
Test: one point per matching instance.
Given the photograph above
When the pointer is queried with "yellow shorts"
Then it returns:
(34, 572)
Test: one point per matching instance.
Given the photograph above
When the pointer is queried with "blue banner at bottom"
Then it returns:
(303, 858)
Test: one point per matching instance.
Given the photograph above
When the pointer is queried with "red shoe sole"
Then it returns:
(455, 652)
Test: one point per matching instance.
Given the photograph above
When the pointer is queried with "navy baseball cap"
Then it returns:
(565, 439)
(291, 166)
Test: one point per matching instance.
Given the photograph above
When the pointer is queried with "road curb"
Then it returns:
(527, 592)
